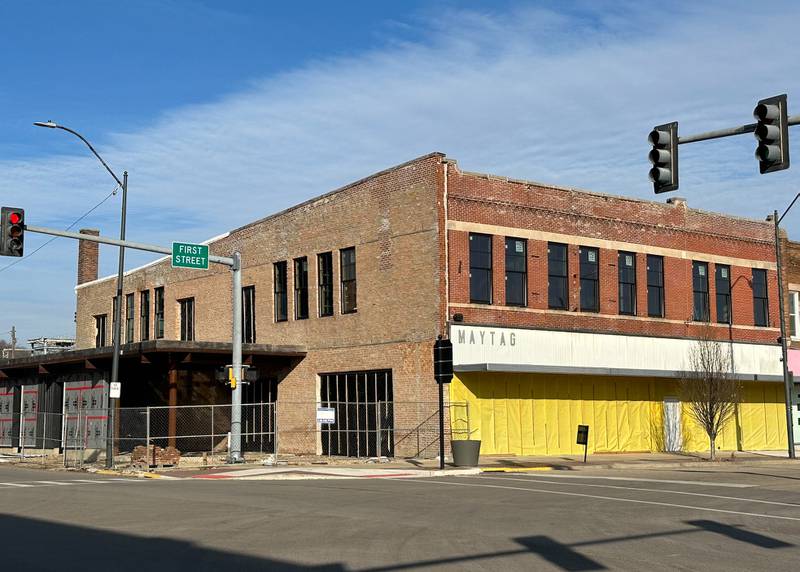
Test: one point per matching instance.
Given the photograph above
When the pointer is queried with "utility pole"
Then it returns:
(13, 342)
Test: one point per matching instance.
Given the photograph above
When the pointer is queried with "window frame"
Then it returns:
(763, 300)
(130, 317)
(348, 284)
(158, 313)
(701, 312)
(656, 286)
(325, 304)
(280, 292)
(100, 330)
(722, 293)
(249, 314)
(560, 278)
(794, 316)
(521, 275)
(301, 288)
(589, 275)
(626, 281)
(187, 318)
(144, 315)
(475, 269)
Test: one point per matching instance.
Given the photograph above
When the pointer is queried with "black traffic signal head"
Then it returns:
(443, 361)
(12, 233)
(664, 157)
(772, 134)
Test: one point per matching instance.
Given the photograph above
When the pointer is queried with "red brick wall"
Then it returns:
(672, 230)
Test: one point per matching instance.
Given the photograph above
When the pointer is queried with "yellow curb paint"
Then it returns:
(107, 472)
(515, 469)
(151, 475)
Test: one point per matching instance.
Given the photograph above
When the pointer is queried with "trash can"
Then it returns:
(466, 452)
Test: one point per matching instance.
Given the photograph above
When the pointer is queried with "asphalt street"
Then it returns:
(741, 518)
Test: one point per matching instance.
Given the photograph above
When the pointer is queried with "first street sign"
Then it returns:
(188, 255)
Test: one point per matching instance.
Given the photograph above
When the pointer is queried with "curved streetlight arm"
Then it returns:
(51, 125)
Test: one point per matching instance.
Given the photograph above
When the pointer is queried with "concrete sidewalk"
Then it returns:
(404, 468)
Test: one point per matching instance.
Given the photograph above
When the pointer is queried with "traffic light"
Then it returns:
(443, 360)
(772, 133)
(12, 238)
(664, 157)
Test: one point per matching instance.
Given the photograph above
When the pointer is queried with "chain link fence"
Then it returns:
(200, 434)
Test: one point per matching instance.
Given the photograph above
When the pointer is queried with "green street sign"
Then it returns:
(188, 255)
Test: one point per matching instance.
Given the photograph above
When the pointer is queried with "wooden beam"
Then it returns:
(3, 374)
(87, 364)
(43, 370)
(144, 359)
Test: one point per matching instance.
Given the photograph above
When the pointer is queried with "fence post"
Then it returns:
(211, 449)
(22, 431)
(147, 436)
(44, 436)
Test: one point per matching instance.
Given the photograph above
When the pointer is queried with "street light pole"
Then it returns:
(118, 310)
(787, 378)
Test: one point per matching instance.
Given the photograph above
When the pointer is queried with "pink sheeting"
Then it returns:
(794, 361)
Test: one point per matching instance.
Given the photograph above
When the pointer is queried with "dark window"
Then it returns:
(301, 288)
(722, 285)
(113, 318)
(516, 272)
(100, 331)
(144, 315)
(325, 283)
(129, 318)
(347, 264)
(590, 283)
(655, 286)
(557, 291)
(363, 407)
(626, 270)
(760, 304)
(281, 301)
(249, 315)
(159, 310)
(700, 289)
(187, 319)
(480, 268)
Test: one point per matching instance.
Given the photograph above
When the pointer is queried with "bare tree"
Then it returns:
(4, 344)
(709, 388)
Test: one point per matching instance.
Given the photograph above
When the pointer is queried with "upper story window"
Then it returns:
(516, 272)
(325, 283)
(158, 324)
(144, 315)
(480, 268)
(281, 300)
(347, 267)
(590, 283)
(557, 289)
(626, 272)
(794, 314)
(100, 330)
(301, 288)
(129, 318)
(722, 284)
(187, 319)
(249, 315)
(700, 291)
(655, 286)
(760, 304)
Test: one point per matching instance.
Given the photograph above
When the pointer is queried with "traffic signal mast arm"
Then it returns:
(749, 128)
(227, 261)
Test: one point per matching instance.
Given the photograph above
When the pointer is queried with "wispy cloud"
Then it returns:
(556, 96)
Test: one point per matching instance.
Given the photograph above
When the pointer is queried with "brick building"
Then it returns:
(565, 307)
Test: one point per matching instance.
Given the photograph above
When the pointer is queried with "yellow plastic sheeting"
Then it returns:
(536, 414)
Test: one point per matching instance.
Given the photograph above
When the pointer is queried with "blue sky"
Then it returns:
(259, 105)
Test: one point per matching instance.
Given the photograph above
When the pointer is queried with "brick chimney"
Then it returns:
(88, 256)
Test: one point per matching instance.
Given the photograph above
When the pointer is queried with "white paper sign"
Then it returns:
(326, 415)
(116, 389)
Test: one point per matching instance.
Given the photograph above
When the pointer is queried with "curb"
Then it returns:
(515, 469)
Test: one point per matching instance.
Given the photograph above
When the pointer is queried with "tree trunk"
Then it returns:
(711, 439)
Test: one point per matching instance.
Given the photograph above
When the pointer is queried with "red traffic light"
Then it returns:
(15, 218)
